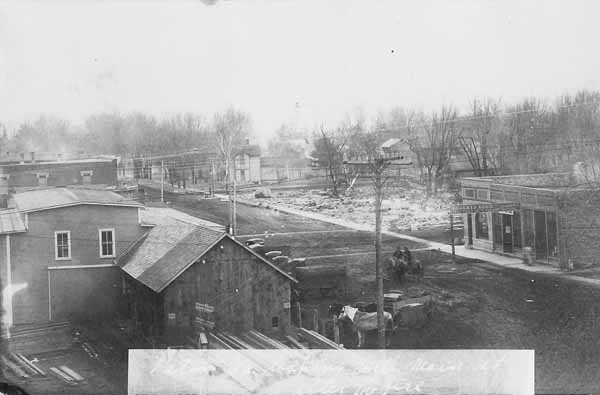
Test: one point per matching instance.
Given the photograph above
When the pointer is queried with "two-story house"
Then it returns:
(57, 249)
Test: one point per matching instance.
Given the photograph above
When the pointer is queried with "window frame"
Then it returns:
(56, 233)
(84, 175)
(114, 243)
(478, 226)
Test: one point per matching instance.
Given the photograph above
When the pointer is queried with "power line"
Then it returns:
(494, 115)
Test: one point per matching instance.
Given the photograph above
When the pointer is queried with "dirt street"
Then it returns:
(477, 305)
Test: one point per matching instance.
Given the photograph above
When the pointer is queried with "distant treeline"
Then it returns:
(491, 137)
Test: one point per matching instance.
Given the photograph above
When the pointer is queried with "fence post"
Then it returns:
(336, 330)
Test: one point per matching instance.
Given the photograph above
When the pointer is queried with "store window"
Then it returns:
(481, 226)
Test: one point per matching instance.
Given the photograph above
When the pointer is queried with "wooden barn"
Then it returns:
(183, 276)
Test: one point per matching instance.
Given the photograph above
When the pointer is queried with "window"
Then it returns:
(62, 243)
(42, 179)
(483, 194)
(275, 322)
(481, 226)
(86, 176)
(468, 192)
(107, 243)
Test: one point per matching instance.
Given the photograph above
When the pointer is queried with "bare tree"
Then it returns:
(527, 136)
(330, 147)
(229, 129)
(433, 144)
(477, 133)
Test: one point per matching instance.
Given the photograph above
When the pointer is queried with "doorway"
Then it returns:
(469, 229)
(541, 235)
(507, 233)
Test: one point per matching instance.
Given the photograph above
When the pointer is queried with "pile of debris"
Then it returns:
(404, 210)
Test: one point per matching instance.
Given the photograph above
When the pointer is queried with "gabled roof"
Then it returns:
(390, 143)
(11, 222)
(51, 198)
(250, 150)
(162, 254)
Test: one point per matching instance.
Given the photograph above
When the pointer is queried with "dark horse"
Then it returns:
(401, 264)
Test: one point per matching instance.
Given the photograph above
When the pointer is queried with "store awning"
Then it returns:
(484, 207)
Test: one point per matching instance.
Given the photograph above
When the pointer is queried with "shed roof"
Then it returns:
(11, 222)
(46, 199)
(174, 243)
(157, 215)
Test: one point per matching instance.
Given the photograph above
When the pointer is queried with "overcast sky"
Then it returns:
(282, 61)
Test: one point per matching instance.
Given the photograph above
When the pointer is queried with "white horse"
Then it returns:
(362, 322)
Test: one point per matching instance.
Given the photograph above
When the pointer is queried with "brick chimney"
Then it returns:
(32, 157)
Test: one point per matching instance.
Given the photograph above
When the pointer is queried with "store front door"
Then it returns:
(469, 230)
(507, 233)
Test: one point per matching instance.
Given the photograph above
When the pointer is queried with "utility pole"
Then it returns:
(452, 237)
(232, 198)
(376, 166)
(162, 181)
(234, 223)
(212, 174)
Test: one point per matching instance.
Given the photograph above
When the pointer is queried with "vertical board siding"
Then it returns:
(245, 292)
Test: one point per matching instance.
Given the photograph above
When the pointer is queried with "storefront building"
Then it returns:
(550, 213)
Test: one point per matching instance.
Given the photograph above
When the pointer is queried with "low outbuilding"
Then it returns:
(182, 277)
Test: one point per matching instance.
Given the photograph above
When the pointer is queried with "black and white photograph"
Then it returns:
(299, 197)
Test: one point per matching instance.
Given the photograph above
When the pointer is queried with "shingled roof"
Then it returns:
(173, 244)
(11, 222)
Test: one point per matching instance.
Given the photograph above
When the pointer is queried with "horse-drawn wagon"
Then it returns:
(399, 314)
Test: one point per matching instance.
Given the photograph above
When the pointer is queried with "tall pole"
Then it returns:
(378, 263)
(234, 224)
(162, 181)
(230, 200)
(212, 174)
(378, 166)
(452, 235)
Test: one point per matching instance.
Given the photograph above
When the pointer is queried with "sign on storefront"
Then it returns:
(204, 323)
(484, 207)
(205, 308)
